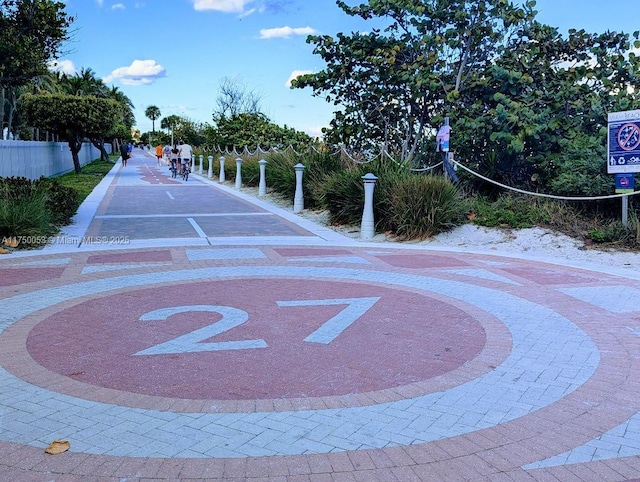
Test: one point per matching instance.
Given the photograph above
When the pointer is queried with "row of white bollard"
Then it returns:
(367, 226)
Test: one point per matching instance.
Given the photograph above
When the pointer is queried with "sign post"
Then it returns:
(623, 153)
(624, 185)
(442, 146)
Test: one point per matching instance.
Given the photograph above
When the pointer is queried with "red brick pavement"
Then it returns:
(408, 344)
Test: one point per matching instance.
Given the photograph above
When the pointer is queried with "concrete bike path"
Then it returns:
(281, 352)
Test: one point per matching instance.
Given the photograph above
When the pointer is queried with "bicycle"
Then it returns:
(174, 170)
(185, 172)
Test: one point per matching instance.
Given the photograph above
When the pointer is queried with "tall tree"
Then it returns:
(254, 129)
(234, 98)
(73, 117)
(518, 93)
(171, 123)
(32, 33)
(86, 84)
(152, 112)
(394, 84)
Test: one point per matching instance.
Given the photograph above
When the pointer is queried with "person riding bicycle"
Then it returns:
(166, 154)
(184, 155)
(173, 159)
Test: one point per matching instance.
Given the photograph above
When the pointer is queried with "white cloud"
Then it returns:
(140, 72)
(64, 66)
(118, 6)
(285, 32)
(315, 131)
(226, 6)
(295, 74)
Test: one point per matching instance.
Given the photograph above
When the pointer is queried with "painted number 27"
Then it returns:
(193, 341)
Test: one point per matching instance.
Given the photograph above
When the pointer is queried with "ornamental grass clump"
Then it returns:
(31, 211)
(23, 213)
(421, 206)
(406, 204)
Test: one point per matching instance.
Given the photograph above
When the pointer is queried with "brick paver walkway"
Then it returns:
(184, 331)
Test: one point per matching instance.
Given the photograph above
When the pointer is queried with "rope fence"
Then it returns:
(384, 153)
(551, 196)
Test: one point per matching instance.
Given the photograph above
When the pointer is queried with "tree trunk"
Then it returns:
(2, 101)
(74, 147)
(99, 144)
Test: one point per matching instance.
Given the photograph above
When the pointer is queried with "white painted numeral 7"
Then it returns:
(331, 329)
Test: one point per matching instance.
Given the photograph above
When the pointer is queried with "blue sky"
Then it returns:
(174, 54)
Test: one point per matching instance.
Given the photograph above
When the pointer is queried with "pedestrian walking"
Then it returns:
(124, 153)
(159, 153)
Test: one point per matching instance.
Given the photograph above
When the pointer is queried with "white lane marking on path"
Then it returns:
(197, 227)
(551, 357)
(170, 195)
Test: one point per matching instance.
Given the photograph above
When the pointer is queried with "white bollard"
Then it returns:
(192, 164)
(367, 227)
(238, 172)
(201, 158)
(298, 198)
(262, 186)
(221, 178)
(210, 170)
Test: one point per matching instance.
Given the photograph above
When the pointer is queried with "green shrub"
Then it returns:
(609, 232)
(511, 211)
(319, 166)
(23, 212)
(420, 206)
(343, 195)
(408, 205)
(62, 201)
(280, 173)
(33, 210)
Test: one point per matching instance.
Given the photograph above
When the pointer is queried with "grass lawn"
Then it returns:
(88, 178)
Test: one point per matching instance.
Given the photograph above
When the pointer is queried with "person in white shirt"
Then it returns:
(184, 155)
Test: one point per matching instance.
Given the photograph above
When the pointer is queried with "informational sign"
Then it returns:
(624, 142)
(442, 139)
(624, 183)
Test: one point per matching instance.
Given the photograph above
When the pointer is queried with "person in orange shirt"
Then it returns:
(159, 153)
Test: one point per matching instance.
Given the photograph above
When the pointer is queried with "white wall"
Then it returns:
(34, 159)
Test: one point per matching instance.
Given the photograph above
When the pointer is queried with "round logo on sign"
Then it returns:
(629, 136)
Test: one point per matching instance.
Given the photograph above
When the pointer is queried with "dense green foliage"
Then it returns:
(281, 173)
(73, 117)
(510, 212)
(255, 130)
(31, 35)
(420, 206)
(407, 205)
(528, 107)
(32, 210)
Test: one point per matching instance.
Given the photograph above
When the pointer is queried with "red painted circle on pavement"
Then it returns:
(403, 338)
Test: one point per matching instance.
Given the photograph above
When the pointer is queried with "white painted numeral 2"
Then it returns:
(193, 342)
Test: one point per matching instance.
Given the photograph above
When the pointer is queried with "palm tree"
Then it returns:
(152, 112)
(171, 122)
(83, 83)
(128, 118)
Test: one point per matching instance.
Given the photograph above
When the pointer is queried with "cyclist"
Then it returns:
(185, 155)
(166, 154)
(173, 158)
